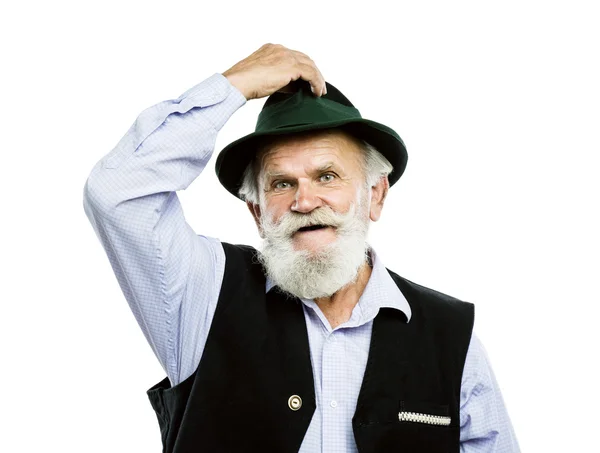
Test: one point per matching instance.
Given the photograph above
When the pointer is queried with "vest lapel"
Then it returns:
(287, 345)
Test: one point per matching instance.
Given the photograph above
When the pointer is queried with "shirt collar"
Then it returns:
(381, 291)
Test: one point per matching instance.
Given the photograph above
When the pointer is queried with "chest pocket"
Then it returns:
(425, 427)
(418, 427)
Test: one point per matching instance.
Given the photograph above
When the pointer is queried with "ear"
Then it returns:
(378, 193)
(255, 211)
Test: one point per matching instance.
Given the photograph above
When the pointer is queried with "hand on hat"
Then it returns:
(273, 68)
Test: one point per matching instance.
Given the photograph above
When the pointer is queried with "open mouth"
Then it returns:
(312, 228)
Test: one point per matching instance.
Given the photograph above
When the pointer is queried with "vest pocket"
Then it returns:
(407, 426)
(425, 413)
(425, 427)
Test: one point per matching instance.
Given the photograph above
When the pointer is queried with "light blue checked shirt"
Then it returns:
(171, 276)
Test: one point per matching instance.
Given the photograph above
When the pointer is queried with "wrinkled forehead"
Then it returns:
(310, 147)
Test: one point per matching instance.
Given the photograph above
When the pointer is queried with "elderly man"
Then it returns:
(309, 344)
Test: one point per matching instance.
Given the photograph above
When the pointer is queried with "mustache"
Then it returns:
(291, 222)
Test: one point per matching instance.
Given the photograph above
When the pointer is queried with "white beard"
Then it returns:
(308, 274)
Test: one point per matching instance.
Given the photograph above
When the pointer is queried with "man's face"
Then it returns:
(314, 212)
(303, 174)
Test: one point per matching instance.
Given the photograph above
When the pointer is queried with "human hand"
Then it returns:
(273, 68)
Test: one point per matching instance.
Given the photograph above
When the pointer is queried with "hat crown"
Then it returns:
(303, 87)
(300, 107)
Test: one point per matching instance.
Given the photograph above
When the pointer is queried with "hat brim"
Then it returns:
(235, 157)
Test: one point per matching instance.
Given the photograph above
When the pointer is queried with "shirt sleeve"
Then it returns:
(169, 275)
(485, 426)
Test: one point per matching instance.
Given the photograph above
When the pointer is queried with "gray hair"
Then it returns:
(375, 166)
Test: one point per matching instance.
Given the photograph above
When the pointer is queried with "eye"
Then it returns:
(280, 185)
(327, 177)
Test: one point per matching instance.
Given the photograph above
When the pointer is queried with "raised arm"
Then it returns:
(164, 269)
(170, 276)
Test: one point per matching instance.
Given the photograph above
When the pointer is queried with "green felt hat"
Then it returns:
(300, 110)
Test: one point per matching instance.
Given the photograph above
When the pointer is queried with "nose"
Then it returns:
(306, 198)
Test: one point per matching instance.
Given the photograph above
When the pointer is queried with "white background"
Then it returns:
(499, 106)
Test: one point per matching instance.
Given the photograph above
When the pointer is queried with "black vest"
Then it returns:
(257, 356)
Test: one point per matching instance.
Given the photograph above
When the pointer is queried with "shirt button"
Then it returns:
(333, 404)
(294, 402)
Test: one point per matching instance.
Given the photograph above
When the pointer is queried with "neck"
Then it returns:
(338, 307)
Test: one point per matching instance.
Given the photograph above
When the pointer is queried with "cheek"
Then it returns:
(341, 200)
(274, 209)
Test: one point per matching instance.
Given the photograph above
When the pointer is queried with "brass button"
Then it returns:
(295, 402)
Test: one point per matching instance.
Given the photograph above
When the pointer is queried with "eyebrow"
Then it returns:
(273, 174)
(326, 166)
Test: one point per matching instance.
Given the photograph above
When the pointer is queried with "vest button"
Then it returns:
(295, 402)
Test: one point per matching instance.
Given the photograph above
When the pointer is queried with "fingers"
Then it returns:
(273, 66)
(313, 76)
(308, 70)
(311, 73)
